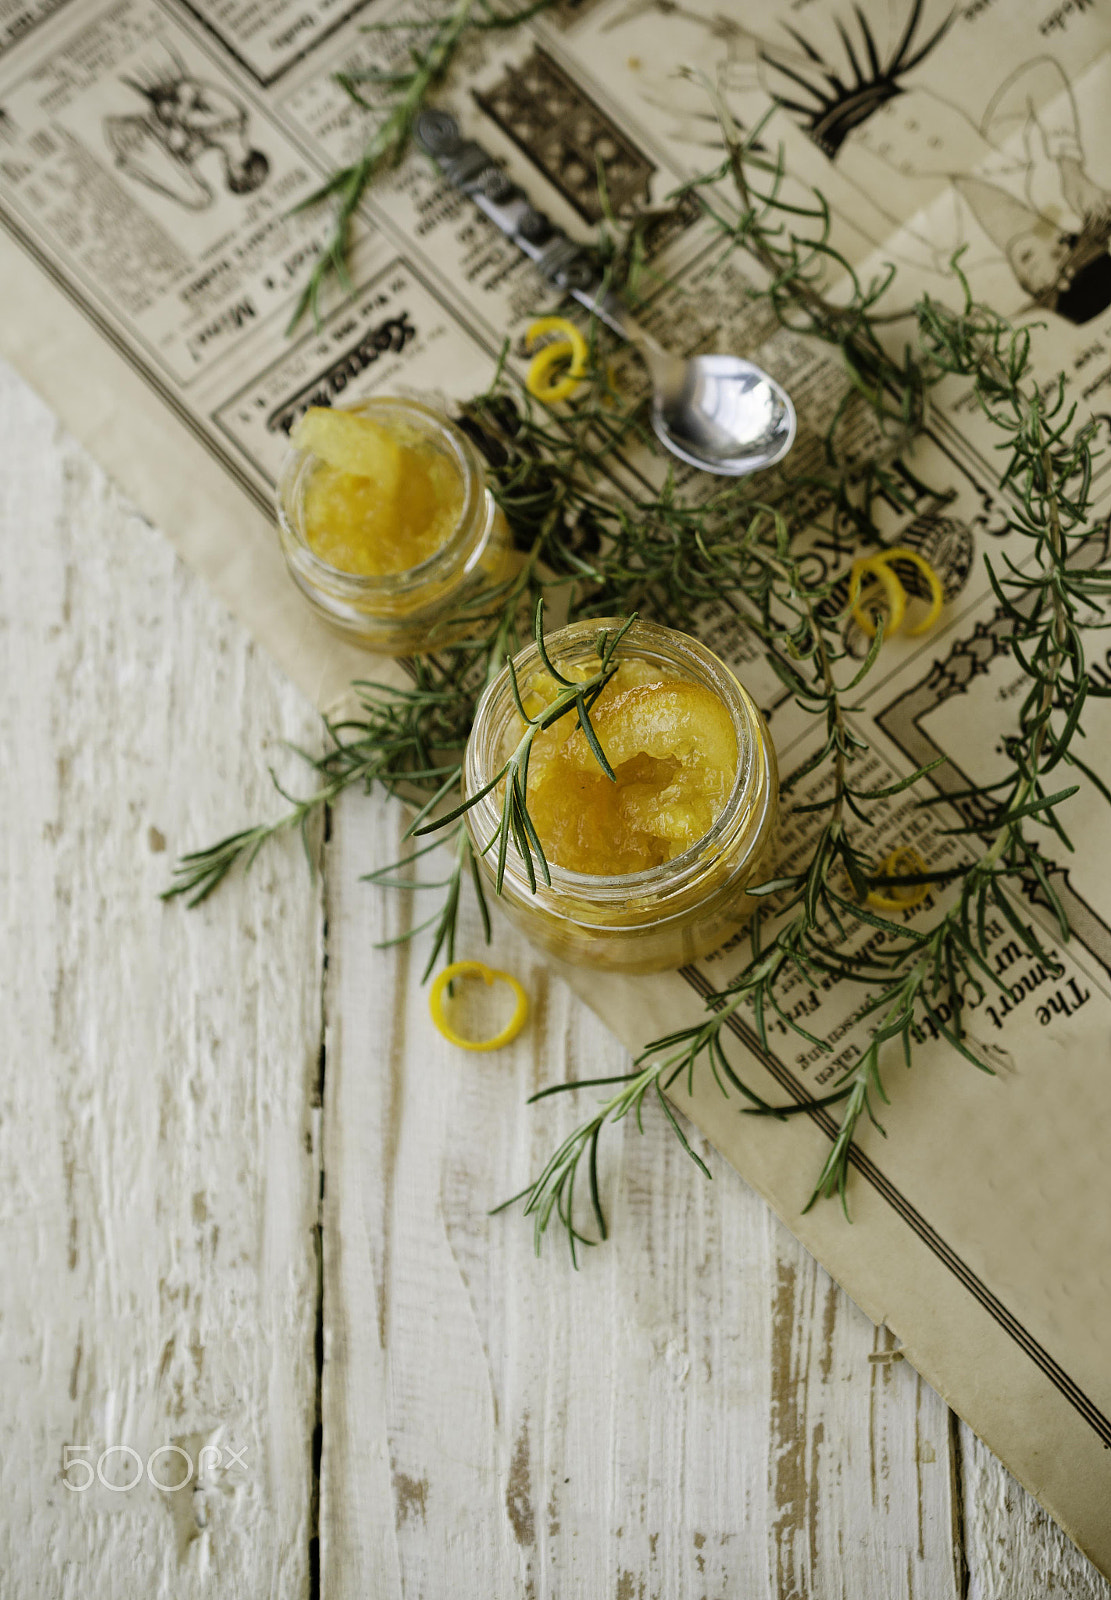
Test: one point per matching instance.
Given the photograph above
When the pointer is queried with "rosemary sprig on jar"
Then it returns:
(571, 694)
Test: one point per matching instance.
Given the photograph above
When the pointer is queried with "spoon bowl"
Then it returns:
(720, 413)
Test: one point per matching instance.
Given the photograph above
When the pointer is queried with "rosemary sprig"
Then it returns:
(790, 242)
(445, 921)
(404, 90)
(408, 740)
(553, 1192)
(936, 971)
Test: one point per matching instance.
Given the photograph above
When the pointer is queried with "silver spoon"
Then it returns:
(719, 413)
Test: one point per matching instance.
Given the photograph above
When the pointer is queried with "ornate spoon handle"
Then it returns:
(474, 171)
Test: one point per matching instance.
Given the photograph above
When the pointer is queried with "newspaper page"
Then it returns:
(151, 155)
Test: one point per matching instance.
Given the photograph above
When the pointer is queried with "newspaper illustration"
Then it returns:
(185, 120)
(152, 157)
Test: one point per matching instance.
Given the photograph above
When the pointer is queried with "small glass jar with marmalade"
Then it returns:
(388, 526)
(649, 868)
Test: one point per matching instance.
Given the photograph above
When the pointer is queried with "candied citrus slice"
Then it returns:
(371, 525)
(684, 721)
(352, 444)
(353, 527)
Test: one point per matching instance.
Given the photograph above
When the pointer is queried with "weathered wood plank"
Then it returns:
(1014, 1549)
(696, 1411)
(157, 1181)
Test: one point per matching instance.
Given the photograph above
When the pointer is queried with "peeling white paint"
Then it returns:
(156, 1191)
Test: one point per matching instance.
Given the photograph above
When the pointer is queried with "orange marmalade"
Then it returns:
(673, 751)
(379, 500)
(388, 525)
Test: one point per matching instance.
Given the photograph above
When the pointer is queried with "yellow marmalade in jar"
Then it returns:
(388, 526)
(649, 868)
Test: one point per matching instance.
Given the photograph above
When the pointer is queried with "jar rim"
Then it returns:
(458, 553)
(643, 640)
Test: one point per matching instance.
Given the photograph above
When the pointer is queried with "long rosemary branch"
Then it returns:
(911, 970)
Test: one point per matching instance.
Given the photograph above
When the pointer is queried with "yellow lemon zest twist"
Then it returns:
(490, 976)
(875, 568)
(568, 347)
(904, 862)
(879, 568)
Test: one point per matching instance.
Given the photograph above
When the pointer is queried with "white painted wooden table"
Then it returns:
(244, 1188)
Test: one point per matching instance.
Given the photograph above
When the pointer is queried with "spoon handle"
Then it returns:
(717, 413)
(571, 267)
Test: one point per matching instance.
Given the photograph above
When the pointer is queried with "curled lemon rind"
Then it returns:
(879, 568)
(569, 344)
(937, 593)
(875, 567)
(905, 860)
(561, 325)
(489, 976)
(541, 365)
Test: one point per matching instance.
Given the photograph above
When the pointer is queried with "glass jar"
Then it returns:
(429, 605)
(642, 921)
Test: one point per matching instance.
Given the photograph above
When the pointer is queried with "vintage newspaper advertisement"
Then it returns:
(152, 153)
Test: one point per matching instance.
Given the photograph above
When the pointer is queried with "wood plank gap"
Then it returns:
(317, 1453)
(961, 1571)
